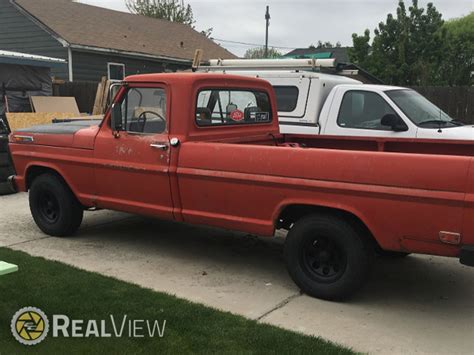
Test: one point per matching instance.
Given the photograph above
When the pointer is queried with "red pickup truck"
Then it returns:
(206, 149)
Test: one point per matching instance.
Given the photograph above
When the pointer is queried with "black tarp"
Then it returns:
(19, 82)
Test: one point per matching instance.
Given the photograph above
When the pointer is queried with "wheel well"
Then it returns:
(35, 171)
(290, 214)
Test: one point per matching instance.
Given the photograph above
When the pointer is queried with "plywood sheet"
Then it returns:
(27, 119)
(46, 104)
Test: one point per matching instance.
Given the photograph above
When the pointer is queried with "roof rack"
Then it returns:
(293, 64)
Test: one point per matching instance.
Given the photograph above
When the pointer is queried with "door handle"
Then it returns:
(161, 146)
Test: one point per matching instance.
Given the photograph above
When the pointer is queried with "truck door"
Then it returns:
(132, 166)
(359, 112)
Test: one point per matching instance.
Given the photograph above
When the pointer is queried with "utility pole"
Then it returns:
(267, 18)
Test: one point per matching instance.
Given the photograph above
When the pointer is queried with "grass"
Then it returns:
(57, 288)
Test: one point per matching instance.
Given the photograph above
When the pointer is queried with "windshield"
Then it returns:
(419, 110)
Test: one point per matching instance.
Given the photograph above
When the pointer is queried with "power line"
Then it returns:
(249, 44)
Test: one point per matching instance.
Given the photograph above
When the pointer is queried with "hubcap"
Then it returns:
(49, 207)
(323, 259)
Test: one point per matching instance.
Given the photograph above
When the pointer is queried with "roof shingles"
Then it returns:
(86, 25)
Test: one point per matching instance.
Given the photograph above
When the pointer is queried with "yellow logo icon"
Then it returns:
(30, 326)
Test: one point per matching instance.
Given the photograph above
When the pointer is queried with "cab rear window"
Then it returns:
(217, 107)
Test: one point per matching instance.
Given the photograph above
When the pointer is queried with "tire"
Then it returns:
(5, 172)
(392, 254)
(326, 257)
(55, 209)
(5, 189)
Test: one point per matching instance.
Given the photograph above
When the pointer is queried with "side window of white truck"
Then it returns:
(363, 110)
(287, 97)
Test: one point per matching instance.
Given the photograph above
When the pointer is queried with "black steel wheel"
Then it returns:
(54, 207)
(48, 206)
(326, 257)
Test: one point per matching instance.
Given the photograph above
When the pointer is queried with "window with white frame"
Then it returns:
(116, 71)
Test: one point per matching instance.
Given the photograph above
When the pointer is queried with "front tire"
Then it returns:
(55, 209)
(326, 257)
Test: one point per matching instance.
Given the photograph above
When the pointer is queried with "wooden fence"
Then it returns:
(457, 101)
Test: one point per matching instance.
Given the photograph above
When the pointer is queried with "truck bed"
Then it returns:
(367, 144)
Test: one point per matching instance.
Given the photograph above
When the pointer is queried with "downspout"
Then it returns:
(69, 63)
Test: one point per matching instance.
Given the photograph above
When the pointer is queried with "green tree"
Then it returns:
(259, 53)
(407, 49)
(458, 66)
(171, 10)
(326, 44)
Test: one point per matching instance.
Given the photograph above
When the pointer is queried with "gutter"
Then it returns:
(130, 53)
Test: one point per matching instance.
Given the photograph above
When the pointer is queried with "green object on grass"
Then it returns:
(6, 268)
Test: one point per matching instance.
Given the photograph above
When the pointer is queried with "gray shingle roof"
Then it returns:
(86, 25)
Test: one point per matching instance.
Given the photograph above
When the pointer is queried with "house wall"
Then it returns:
(91, 66)
(19, 33)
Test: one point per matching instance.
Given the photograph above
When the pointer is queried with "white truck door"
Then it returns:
(293, 96)
(358, 111)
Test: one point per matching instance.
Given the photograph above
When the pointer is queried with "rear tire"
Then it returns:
(326, 257)
(55, 209)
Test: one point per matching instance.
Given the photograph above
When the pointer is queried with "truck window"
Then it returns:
(232, 107)
(144, 110)
(363, 110)
(287, 98)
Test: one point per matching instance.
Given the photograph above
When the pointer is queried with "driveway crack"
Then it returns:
(24, 242)
(278, 306)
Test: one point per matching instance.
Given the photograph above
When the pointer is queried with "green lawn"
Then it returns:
(56, 288)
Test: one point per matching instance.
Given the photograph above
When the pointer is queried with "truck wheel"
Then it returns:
(326, 257)
(54, 207)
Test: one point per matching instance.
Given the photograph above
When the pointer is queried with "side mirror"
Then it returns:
(394, 122)
(116, 117)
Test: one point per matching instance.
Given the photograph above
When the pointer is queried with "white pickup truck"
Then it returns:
(310, 102)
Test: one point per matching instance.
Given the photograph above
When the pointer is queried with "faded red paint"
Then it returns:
(241, 177)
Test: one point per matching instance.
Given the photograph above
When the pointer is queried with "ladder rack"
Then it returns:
(276, 64)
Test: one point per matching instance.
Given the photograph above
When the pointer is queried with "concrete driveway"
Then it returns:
(418, 305)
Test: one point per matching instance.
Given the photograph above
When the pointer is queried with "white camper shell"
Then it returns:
(311, 102)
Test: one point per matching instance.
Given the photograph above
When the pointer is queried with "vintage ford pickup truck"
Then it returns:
(206, 149)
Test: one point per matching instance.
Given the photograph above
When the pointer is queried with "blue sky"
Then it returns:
(294, 23)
